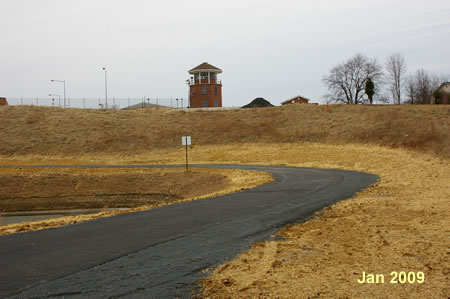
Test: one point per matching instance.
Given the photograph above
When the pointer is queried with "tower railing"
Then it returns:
(205, 81)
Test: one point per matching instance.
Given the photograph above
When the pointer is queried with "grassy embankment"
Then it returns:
(400, 224)
(75, 133)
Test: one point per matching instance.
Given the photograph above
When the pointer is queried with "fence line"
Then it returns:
(100, 103)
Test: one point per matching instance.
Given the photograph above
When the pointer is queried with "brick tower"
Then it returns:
(205, 89)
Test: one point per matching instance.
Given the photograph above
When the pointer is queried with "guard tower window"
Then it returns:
(216, 91)
(203, 89)
(204, 75)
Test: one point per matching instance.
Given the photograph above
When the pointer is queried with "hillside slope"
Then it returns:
(40, 130)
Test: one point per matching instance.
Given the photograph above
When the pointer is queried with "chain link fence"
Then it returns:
(100, 103)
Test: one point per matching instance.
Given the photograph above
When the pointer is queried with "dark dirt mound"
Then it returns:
(258, 103)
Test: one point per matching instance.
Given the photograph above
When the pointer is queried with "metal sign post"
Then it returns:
(186, 140)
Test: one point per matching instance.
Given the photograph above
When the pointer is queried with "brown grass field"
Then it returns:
(76, 132)
(37, 189)
(399, 224)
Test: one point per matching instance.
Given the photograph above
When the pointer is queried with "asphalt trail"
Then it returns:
(162, 252)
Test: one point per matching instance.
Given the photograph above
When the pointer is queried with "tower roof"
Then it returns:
(205, 67)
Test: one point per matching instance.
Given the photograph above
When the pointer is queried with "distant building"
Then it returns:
(205, 89)
(442, 94)
(296, 100)
(3, 102)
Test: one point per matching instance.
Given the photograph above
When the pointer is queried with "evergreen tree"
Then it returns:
(370, 90)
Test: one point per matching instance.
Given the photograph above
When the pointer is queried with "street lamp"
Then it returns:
(64, 82)
(56, 95)
(106, 89)
(188, 82)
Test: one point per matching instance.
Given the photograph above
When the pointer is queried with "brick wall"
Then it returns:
(197, 98)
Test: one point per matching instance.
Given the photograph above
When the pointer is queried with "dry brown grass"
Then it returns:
(41, 189)
(55, 131)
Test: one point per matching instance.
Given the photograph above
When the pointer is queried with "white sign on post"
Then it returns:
(186, 140)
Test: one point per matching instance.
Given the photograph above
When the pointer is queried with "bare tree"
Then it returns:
(424, 89)
(347, 81)
(383, 98)
(421, 86)
(410, 89)
(395, 71)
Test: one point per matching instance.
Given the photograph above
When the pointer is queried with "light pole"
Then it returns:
(64, 82)
(188, 82)
(106, 88)
(56, 95)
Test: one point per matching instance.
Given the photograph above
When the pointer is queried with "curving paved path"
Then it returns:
(162, 252)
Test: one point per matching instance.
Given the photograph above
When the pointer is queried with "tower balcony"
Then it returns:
(204, 81)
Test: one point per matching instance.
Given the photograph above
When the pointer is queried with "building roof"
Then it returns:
(443, 84)
(205, 67)
(295, 98)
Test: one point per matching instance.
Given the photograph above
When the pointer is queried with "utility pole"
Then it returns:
(106, 88)
(64, 82)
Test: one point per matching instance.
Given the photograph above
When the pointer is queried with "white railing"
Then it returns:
(204, 81)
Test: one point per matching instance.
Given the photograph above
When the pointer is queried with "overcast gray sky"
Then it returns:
(266, 48)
